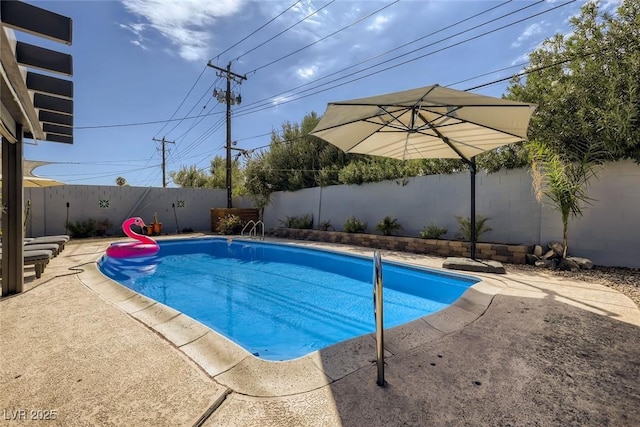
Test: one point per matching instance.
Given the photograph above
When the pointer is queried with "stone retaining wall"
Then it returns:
(515, 254)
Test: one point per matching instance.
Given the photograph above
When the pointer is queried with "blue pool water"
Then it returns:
(281, 302)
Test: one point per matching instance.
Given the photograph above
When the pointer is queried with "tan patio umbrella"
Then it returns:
(426, 123)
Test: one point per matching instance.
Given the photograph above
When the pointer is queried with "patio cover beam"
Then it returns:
(12, 230)
(36, 21)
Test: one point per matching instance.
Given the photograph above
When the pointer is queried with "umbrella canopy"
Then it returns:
(426, 123)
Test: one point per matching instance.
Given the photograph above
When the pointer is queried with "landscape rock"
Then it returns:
(546, 263)
(556, 247)
(537, 250)
(549, 255)
(568, 264)
(583, 263)
(532, 258)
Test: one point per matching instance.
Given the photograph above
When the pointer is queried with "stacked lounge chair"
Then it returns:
(38, 251)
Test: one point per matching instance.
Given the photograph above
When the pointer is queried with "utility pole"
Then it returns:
(228, 98)
(164, 159)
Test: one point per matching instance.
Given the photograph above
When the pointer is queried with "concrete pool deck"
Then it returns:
(518, 349)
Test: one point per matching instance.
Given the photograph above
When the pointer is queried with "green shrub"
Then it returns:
(465, 226)
(325, 226)
(432, 231)
(230, 224)
(387, 226)
(300, 222)
(354, 225)
(86, 228)
(102, 227)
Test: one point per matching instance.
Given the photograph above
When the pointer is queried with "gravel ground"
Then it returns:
(624, 280)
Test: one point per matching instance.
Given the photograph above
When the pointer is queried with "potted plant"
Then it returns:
(102, 227)
(156, 226)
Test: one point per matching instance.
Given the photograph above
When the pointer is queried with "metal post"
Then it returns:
(228, 101)
(12, 226)
(378, 313)
(472, 167)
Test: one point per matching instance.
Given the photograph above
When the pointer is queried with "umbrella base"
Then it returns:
(477, 266)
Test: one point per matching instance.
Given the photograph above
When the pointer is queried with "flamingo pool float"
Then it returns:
(144, 246)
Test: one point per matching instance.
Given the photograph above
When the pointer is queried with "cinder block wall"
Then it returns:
(608, 233)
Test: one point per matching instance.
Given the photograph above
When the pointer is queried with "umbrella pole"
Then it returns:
(472, 168)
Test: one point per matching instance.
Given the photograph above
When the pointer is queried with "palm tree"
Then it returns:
(564, 180)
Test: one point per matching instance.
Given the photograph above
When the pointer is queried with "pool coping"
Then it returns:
(234, 367)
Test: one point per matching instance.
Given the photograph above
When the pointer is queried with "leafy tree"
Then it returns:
(121, 182)
(295, 159)
(191, 177)
(218, 175)
(587, 84)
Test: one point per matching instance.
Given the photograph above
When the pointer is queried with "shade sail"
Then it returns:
(31, 180)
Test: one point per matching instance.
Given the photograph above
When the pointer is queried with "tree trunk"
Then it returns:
(564, 238)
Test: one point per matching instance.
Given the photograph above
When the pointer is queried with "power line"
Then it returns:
(325, 37)
(268, 100)
(285, 30)
(260, 103)
(380, 54)
(185, 98)
(194, 106)
(255, 31)
(257, 109)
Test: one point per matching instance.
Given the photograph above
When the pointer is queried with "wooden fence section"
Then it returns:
(245, 214)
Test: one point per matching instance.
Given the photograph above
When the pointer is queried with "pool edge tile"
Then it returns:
(263, 378)
(136, 303)
(341, 359)
(155, 314)
(214, 353)
(181, 330)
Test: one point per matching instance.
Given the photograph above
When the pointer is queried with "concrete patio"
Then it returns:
(518, 349)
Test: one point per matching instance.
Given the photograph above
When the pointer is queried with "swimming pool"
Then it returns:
(278, 301)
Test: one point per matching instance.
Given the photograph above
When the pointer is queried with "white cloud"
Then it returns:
(520, 59)
(379, 23)
(184, 23)
(139, 44)
(279, 99)
(529, 32)
(307, 72)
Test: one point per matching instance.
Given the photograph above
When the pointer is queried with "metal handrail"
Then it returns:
(378, 314)
(246, 225)
(255, 231)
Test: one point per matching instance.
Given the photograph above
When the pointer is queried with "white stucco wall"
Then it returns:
(505, 198)
(608, 233)
(49, 211)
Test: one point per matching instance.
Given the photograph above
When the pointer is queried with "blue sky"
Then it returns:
(135, 61)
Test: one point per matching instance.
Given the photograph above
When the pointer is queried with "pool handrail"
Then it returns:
(253, 231)
(378, 314)
(246, 226)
